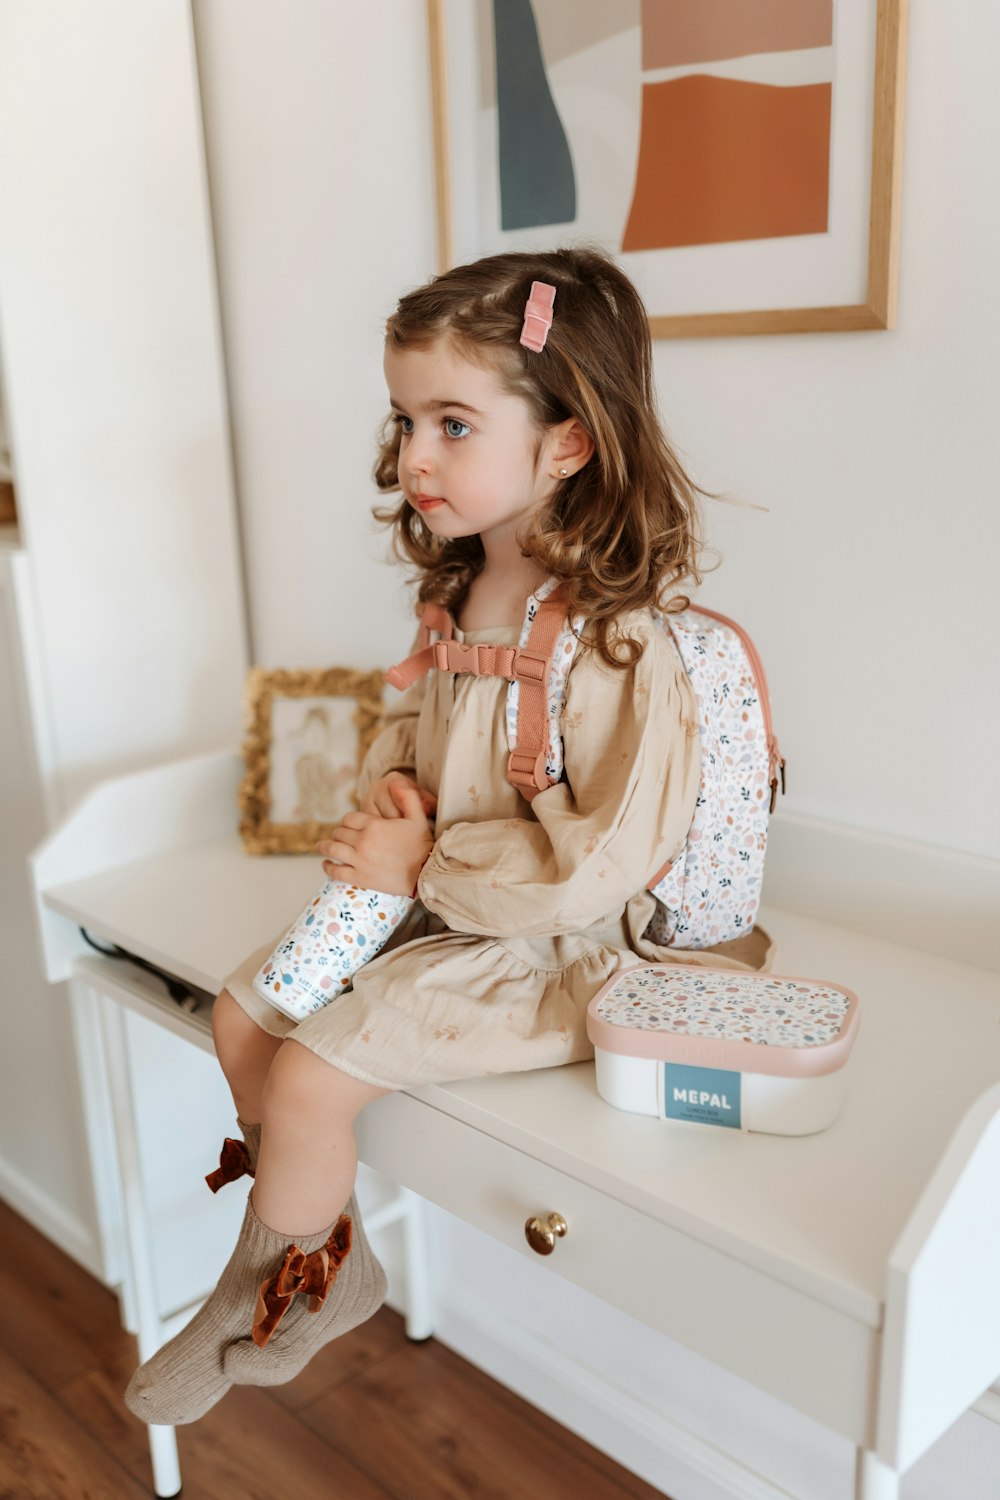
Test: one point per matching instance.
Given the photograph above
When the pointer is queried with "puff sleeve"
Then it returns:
(394, 747)
(590, 843)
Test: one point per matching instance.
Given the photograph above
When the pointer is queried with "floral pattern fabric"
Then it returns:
(764, 1008)
(342, 927)
(712, 890)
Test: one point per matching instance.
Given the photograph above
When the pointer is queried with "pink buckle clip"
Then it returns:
(459, 656)
(538, 316)
(526, 770)
(455, 656)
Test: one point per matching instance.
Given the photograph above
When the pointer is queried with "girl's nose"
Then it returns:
(418, 457)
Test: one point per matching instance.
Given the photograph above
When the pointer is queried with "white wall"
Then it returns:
(114, 385)
(122, 638)
(43, 1158)
(322, 194)
(868, 585)
(873, 576)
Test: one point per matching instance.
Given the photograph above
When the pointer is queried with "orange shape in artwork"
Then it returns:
(720, 159)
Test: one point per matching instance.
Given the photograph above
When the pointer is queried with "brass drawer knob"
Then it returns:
(542, 1231)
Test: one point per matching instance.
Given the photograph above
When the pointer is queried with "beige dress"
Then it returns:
(525, 910)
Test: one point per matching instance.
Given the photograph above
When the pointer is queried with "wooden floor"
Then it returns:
(372, 1417)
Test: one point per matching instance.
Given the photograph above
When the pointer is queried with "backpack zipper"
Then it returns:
(775, 759)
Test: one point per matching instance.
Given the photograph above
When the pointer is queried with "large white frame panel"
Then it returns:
(115, 386)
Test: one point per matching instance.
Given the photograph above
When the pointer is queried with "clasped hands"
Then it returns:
(383, 846)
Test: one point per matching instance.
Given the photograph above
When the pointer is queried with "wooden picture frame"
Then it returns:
(306, 734)
(861, 241)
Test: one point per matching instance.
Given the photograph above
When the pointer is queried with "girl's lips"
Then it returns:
(426, 502)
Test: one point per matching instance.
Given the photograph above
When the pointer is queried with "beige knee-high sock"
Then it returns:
(186, 1377)
(357, 1292)
(251, 1139)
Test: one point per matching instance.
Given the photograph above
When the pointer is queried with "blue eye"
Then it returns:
(404, 423)
(451, 423)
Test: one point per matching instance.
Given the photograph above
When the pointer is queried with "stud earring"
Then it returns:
(564, 472)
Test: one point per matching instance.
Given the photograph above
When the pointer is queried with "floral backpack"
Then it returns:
(710, 890)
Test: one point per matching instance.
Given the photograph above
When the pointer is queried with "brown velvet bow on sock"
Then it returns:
(312, 1275)
(234, 1162)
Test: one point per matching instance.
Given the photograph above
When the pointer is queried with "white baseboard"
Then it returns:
(664, 1453)
(50, 1219)
(937, 900)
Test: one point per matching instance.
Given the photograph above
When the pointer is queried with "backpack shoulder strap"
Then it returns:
(526, 763)
(434, 618)
(529, 666)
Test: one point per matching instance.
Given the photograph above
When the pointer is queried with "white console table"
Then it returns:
(852, 1274)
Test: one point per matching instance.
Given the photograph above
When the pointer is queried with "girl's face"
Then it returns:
(470, 459)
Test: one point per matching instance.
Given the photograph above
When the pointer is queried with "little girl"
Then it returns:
(525, 442)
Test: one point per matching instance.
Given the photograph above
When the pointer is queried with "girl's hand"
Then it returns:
(379, 797)
(382, 854)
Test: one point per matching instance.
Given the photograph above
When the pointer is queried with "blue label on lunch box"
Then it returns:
(708, 1096)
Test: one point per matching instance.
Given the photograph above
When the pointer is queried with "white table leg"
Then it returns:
(138, 1241)
(408, 1208)
(873, 1480)
(419, 1301)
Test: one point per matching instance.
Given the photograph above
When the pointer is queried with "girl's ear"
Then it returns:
(571, 447)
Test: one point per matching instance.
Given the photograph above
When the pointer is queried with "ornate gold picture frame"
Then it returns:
(306, 734)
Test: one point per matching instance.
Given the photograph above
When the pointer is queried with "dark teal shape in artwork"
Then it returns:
(537, 181)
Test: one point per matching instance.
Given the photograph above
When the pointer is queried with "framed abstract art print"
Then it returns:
(741, 158)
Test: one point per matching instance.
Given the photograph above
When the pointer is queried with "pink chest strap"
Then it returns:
(529, 665)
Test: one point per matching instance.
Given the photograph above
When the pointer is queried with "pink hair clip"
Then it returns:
(538, 316)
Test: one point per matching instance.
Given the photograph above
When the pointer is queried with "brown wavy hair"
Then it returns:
(623, 532)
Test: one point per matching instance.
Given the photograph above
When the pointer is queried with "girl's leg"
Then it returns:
(305, 1175)
(308, 1158)
(307, 1139)
(245, 1052)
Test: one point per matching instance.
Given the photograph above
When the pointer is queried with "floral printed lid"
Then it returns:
(722, 1018)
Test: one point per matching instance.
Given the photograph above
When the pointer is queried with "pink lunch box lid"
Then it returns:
(724, 1018)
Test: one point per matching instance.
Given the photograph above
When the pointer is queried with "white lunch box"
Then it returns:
(719, 1047)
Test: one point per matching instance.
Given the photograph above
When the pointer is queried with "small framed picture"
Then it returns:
(306, 736)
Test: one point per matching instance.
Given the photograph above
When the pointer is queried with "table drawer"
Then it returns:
(819, 1360)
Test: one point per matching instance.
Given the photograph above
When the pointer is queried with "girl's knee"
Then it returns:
(239, 1041)
(299, 1079)
(229, 1021)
